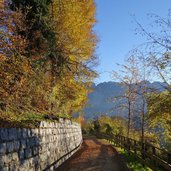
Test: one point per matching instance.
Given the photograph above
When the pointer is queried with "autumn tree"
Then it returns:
(143, 75)
(143, 89)
(158, 47)
(160, 117)
(73, 26)
(14, 69)
(157, 52)
(128, 79)
(49, 48)
(114, 125)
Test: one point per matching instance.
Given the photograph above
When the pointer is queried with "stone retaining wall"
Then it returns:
(43, 148)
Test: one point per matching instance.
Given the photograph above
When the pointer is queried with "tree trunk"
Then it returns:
(129, 119)
(142, 130)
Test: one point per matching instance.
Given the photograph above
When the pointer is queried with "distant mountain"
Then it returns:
(100, 99)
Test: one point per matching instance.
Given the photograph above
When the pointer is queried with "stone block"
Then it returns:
(15, 157)
(4, 168)
(4, 134)
(16, 145)
(42, 158)
(29, 133)
(10, 146)
(2, 148)
(35, 132)
(19, 133)
(61, 120)
(12, 133)
(31, 142)
(24, 166)
(42, 132)
(24, 133)
(43, 124)
(35, 151)
(28, 152)
(37, 141)
(23, 144)
(5, 159)
(21, 154)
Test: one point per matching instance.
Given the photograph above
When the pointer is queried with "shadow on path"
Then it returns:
(94, 155)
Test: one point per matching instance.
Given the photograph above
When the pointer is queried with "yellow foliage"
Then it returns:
(73, 23)
(29, 79)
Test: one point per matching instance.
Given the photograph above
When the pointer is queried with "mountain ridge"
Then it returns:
(99, 100)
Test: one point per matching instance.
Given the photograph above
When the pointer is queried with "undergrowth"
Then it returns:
(26, 119)
(132, 161)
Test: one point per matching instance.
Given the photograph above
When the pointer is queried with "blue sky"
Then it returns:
(116, 29)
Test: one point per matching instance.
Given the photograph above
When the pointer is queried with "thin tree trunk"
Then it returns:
(129, 119)
(142, 130)
(129, 124)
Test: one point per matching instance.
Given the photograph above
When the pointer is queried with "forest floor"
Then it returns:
(95, 155)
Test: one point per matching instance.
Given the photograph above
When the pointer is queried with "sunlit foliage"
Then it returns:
(159, 107)
(46, 55)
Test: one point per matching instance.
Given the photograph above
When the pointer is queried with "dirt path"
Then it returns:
(94, 155)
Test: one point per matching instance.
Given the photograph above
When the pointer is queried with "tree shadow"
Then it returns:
(94, 156)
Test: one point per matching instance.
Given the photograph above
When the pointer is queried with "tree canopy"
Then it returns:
(47, 55)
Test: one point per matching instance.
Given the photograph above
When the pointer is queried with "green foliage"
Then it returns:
(26, 119)
(39, 31)
(159, 107)
(88, 127)
(106, 125)
(132, 161)
(112, 125)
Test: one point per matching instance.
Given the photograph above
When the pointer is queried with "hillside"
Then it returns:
(100, 99)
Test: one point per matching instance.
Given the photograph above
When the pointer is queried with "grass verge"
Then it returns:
(132, 161)
(26, 119)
